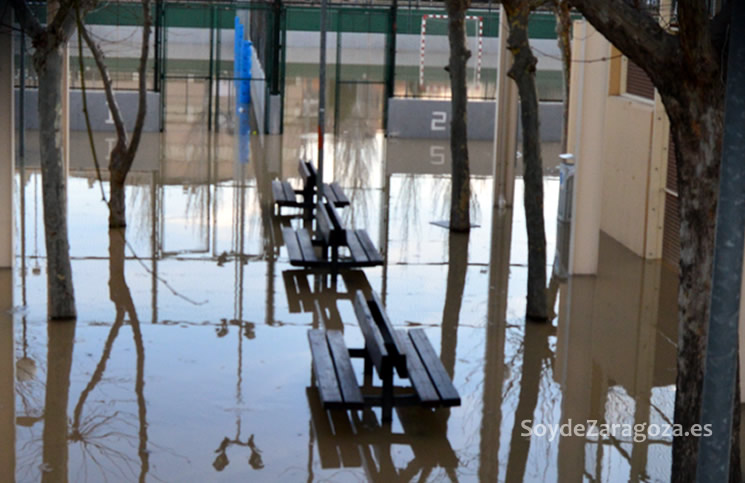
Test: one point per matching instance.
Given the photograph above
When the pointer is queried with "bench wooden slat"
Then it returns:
(293, 247)
(359, 256)
(323, 368)
(300, 247)
(324, 226)
(350, 389)
(283, 194)
(440, 378)
(289, 192)
(392, 343)
(341, 198)
(417, 373)
(278, 192)
(374, 342)
(307, 172)
(306, 246)
(373, 254)
(334, 216)
(335, 195)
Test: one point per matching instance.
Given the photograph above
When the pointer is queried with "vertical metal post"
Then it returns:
(157, 52)
(390, 67)
(321, 99)
(22, 159)
(283, 70)
(211, 67)
(276, 34)
(164, 63)
(154, 244)
(217, 71)
(337, 72)
(721, 351)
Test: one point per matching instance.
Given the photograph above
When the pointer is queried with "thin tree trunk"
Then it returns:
(60, 292)
(123, 155)
(523, 73)
(118, 168)
(563, 35)
(460, 219)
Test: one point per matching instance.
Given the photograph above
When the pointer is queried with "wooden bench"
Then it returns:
(287, 196)
(300, 248)
(409, 353)
(332, 234)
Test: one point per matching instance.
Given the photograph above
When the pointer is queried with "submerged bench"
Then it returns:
(409, 353)
(330, 236)
(287, 196)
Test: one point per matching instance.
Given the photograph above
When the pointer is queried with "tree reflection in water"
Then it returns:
(93, 430)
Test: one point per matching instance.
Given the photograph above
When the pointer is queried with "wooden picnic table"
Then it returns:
(331, 236)
(408, 353)
(287, 196)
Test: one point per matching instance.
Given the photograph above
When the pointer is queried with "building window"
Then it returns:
(638, 82)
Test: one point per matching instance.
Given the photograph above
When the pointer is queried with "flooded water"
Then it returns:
(190, 362)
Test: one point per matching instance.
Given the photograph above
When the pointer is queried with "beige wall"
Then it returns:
(587, 101)
(620, 142)
(626, 150)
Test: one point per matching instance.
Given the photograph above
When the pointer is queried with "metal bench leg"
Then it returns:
(368, 371)
(387, 393)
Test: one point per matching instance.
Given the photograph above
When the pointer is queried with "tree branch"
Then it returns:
(636, 34)
(121, 132)
(26, 18)
(88, 127)
(63, 21)
(142, 106)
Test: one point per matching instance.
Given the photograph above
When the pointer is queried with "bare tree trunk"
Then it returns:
(698, 189)
(460, 218)
(563, 35)
(123, 155)
(523, 73)
(118, 169)
(48, 45)
(60, 292)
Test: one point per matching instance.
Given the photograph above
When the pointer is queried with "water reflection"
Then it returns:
(349, 441)
(7, 377)
(91, 426)
(224, 387)
(319, 293)
(456, 281)
(616, 362)
(494, 346)
(54, 437)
